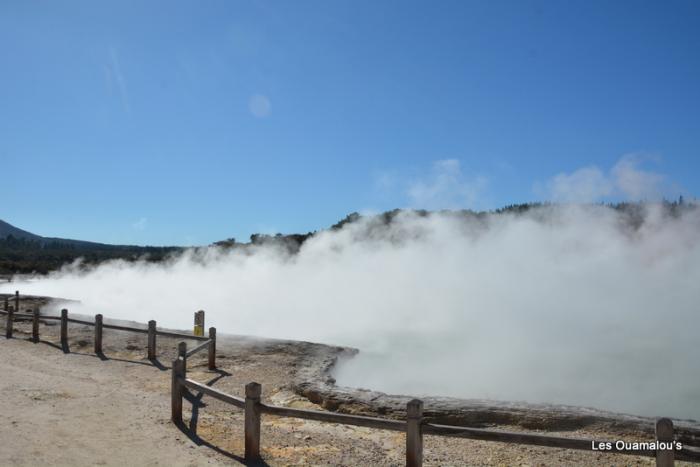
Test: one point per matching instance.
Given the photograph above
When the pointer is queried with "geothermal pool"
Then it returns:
(562, 305)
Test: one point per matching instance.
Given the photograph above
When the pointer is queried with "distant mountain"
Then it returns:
(25, 252)
(7, 230)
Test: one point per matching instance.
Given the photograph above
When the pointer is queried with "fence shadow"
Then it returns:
(196, 400)
(50, 344)
(101, 355)
(152, 363)
(220, 374)
(156, 363)
(190, 430)
(194, 437)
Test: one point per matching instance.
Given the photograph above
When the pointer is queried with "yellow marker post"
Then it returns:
(199, 323)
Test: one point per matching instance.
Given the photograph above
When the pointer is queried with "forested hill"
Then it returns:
(631, 215)
(25, 252)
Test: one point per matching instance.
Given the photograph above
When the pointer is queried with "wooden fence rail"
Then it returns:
(201, 346)
(415, 425)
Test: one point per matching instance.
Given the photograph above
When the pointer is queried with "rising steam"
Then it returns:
(582, 305)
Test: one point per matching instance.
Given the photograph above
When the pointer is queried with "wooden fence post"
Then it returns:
(10, 319)
(35, 325)
(64, 329)
(151, 340)
(664, 433)
(414, 435)
(182, 353)
(212, 349)
(17, 301)
(252, 422)
(178, 373)
(98, 334)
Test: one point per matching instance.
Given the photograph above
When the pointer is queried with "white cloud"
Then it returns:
(635, 183)
(385, 181)
(446, 187)
(584, 185)
(259, 105)
(116, 70)
(140, 224)
(625, 180)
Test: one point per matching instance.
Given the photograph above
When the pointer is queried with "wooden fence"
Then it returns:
(415, 426)
(152, 331)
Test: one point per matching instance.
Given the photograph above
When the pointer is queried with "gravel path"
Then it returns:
(71, 409)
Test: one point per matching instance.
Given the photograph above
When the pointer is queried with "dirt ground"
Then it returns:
(78, 409)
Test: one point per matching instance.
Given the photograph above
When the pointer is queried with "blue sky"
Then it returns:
(189, 122)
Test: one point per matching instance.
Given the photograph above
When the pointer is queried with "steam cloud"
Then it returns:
(567, 304)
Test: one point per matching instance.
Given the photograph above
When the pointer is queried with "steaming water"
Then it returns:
(562, 305)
